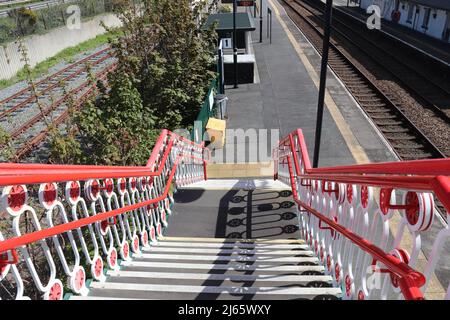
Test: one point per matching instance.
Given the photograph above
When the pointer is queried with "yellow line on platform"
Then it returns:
(355, 148)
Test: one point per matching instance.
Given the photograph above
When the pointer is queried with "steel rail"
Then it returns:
(50, 77)
(439, 112)
(426, 142)
(29, 145)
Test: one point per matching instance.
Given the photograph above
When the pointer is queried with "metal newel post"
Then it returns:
(235, 45)
(260, 20)
(323, 81)
(220, 67)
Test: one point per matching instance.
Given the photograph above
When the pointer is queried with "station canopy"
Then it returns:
(244, 21)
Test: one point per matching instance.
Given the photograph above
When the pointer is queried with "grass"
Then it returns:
(65, 55)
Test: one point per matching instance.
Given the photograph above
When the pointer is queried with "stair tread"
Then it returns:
(143, 295)
(305, 291)
(226, 240)
(213, 266)
(219, 277)
(231, 271)
(237, 258)
(216, 251)
(227, 245)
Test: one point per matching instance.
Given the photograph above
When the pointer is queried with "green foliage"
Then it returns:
(6, 150)
(165, 64)
(225, 8)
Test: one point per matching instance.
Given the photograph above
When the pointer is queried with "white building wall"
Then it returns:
(44, 46)
(366, 3)
(435, 25)
(403, 8)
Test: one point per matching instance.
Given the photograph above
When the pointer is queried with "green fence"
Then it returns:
(207, 111)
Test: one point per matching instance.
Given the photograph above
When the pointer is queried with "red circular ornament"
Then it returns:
(348, 285)
(74, 191)
(79, 279)
(98, 267)
(412, 212)
(361, 295)
(16, 198)
(337, 272)
(364, 196)
(55, 292)
(49, 193)
(350, 193)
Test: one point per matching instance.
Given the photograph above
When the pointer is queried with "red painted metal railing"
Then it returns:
(354, 221)
(121, 209)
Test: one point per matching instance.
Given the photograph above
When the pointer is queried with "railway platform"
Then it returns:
(284, 97)
(422, 42)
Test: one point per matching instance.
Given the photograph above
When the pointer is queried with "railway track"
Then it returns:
(387, 113)
(429, 82)
(25, 114)
(82, 93)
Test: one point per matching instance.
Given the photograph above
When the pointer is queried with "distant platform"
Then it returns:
(285, 95)
(423, 42)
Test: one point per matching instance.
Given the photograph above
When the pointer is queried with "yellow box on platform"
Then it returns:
(216, 131)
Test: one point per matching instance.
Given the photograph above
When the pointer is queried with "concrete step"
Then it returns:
(187, 241)
(314, 281)
(230, 258)
(244, 183)
(254, 278)
(202, 268)
(239, 270)
(215, 266)
(169, 292)
(219, 251)
(242, 170)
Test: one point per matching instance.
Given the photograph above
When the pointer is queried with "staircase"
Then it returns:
(213, 268)
(166, 231)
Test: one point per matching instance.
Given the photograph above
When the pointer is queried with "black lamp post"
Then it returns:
(260, 20)
(323, 81)
(235, 45)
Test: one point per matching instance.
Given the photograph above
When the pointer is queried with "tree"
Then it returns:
(164, 69)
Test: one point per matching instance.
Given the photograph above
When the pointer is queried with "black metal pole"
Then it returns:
(270, 26)
(254, 9)
(323, 81)
(235, 45)
(260, 20)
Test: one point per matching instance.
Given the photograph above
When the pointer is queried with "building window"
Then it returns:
(426, 18)
(410, 12)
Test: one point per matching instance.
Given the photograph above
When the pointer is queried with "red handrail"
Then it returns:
(427, 175)
(32, 237)
(13, 174)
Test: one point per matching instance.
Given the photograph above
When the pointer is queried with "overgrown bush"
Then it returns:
(165, 63)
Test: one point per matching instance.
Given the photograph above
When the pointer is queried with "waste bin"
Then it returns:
(216, 132)
(220, 102)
